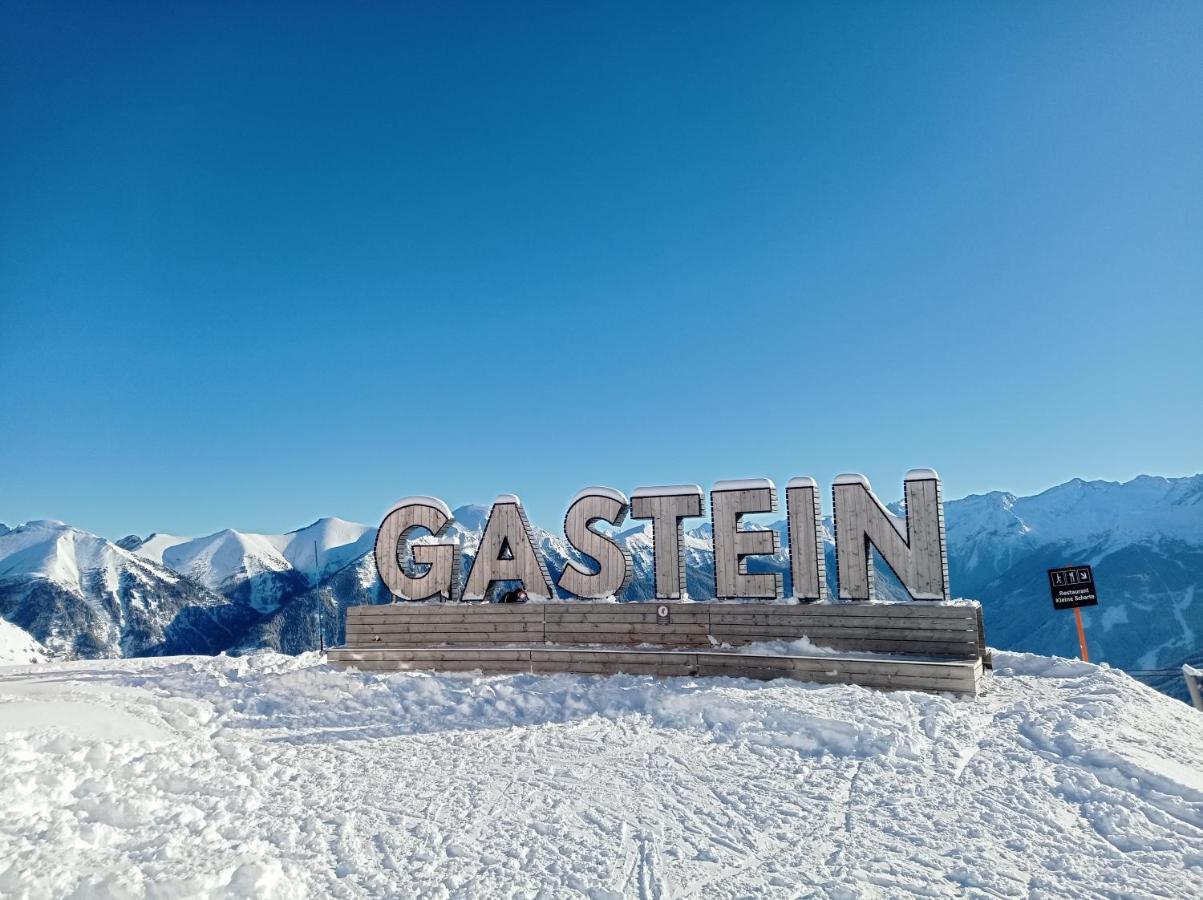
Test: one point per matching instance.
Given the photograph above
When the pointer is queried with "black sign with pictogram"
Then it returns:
(1072, 586)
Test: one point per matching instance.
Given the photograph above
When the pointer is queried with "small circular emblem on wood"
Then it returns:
(662, 611)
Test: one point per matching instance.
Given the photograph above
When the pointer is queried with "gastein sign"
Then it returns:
(913, 546)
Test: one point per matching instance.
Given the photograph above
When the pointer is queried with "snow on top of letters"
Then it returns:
(744, 484)
(851, 478)
(599, 491)
(922, 475)
(422, 500)
(667, 490)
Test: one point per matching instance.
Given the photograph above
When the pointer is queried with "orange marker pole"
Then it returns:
(1081, 634)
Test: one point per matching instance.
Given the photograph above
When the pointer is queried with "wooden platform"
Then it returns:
(955, 676)
(930, 646)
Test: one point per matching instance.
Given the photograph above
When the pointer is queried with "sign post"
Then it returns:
(1081, 635)
(1072, 587)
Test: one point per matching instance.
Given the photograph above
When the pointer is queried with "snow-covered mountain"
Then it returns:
(82, 595)
(1144, 539)
(264, 571)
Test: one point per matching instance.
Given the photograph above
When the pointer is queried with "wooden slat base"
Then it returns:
(925, 646)
(897, 673)
(919, 629)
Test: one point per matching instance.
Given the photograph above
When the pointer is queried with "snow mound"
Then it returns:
(273, 776)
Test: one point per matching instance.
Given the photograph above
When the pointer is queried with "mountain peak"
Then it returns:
(326, 522)
(471, 517)
(46, 524)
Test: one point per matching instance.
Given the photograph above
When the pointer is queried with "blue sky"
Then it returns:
(262, 265)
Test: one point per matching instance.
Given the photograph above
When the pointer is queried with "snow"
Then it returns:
(224, 560)
(337, 542)
(219, 559)
(69, 557)
(85, 720)
(17, 646)
(157, 544)
(419, 500)
(1102, 514)
(921, 475)
(802, 646)
(801, 481)
(507, 498)
(273, 776)
(668, 490)
(851, 478)
(745, 484)
(598, 491)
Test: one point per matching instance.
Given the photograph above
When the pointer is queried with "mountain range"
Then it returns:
(76, 594)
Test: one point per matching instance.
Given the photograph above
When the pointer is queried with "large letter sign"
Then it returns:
(507, 553)
(667, 507)
(808, 567)
(592, 505)
(912, 547)
(729, 501)
(441, 560)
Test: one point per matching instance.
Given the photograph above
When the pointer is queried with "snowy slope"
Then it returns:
(232, 563)
(319, 550)
(153, 547)
(17, 647)
(273, 777)
(81, 595)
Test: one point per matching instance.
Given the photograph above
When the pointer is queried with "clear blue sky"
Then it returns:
(260, 265)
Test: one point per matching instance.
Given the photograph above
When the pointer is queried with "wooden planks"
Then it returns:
(729, 502)
(914, 546)
(613, 560)
(668, 507)
(393, 546)
(934, 647)
(956, 676)
(507, 553)
(923, 629)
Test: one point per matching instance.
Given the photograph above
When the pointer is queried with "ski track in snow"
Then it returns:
(274, 776)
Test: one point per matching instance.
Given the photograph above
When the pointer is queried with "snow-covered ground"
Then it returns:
(273, 776)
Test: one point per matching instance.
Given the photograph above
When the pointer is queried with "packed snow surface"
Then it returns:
(273, 776)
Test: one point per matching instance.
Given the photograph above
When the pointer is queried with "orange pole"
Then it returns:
(1081, 634)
